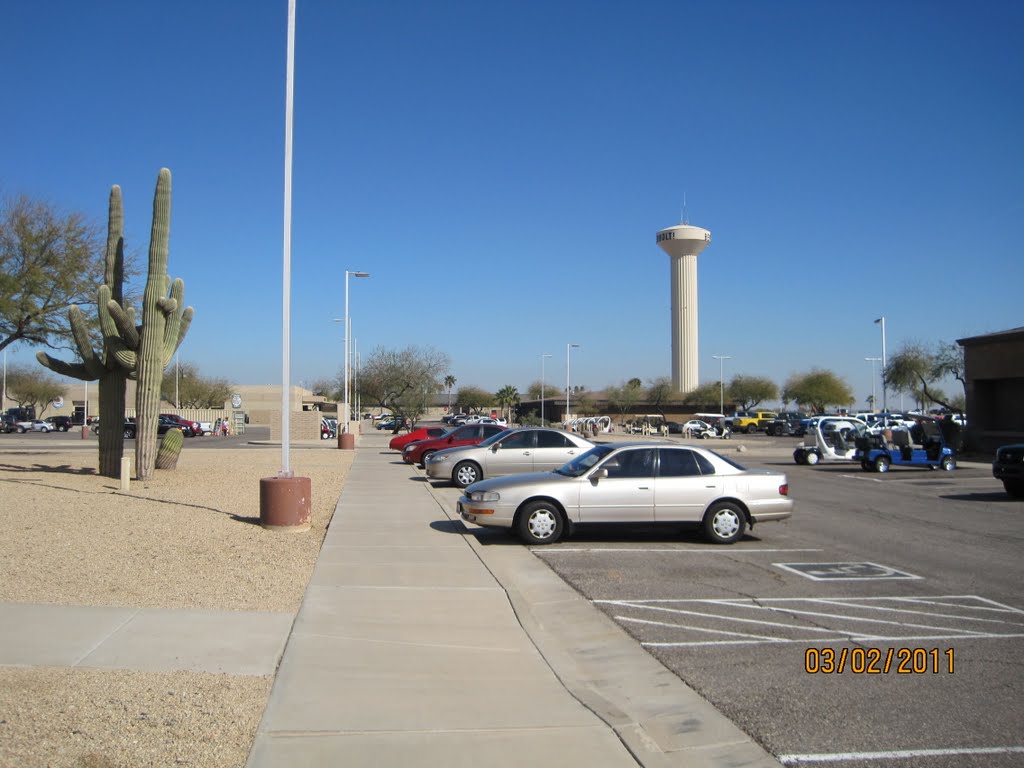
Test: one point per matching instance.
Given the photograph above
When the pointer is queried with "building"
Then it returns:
(683, 244)
(994, 373)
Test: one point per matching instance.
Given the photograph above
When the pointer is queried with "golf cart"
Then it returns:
(923, 445)
(830, 438)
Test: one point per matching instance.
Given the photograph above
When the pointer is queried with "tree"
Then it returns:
(660, 393)
(706, 394)
(817, 390)
(184, 386)
(473, 399)
(49, 261)
(329, 388)
(533, 392)
(32, 388)
(750, 391)
(449, 382)
(917, 371)
(625, 397)
(404, 380)
(507, 397)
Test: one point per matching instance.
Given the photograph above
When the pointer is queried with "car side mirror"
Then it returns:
(598, 474)
(494, 448)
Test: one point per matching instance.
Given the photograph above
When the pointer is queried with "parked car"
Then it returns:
(59, 423)
(513, 451)
(639, 484)
(398, 442)
(163, 425)
(194, 428)
(467, 434)
(328, 428)
(34, 425)
(389, 423)
(8, 423)
(1009, 467)
(784, 424)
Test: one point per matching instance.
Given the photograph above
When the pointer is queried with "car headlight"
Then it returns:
(484, 496)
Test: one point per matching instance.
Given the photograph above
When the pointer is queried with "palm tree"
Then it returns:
(507, 397)
(449, 381)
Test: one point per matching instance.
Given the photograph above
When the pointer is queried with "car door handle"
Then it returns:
(644, 488)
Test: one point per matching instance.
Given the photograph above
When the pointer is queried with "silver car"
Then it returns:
(514, 451)
(632, 483)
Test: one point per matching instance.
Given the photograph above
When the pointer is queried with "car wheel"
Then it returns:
(882, 464)
(21, 430)
(1014, 488)
(751, 429)
(423, 459)
(129, 433)
(724, 523)
(800, 456)
(466, 473)
(540, 522)
(812, 458)
(865, 465)
(948, 463)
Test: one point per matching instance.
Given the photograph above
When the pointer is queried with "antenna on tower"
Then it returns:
(682, 214)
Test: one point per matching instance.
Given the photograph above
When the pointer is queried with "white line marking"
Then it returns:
(578, 550)
(839, 638)
(869, 621)
(811, 574)
(922, 613)
(696, 629)
(730, 618)
(839, 757)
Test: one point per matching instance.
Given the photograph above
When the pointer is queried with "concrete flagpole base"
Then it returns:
(286, 503)
(347, 441)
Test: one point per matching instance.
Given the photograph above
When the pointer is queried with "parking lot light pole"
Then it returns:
(348, 342)
(873, 360)
(542, 388)
(721, 380)
(885, 398)
(568, 348)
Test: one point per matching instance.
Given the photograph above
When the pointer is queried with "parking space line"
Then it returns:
(679, 550)
(969, 618)
(901, 754)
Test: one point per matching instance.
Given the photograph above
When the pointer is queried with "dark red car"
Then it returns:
(193, 426)
(398, 442)
(467, 434)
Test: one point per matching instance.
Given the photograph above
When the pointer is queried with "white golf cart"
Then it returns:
(830, 438)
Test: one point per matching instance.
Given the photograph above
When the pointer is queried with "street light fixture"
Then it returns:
(721, 380)
(885, 404)
(568, 347)
(873, 360)
(348, 342)
(542, 388)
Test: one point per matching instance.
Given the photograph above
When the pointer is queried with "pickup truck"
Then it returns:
(752, 421)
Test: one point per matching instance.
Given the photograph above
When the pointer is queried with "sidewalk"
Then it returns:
(417, 646)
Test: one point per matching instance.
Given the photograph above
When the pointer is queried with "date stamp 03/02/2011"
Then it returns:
(878, 661)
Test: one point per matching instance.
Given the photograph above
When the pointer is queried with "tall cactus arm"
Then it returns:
(72, 370)
(114, 272)
(80, 333)
(125, 325)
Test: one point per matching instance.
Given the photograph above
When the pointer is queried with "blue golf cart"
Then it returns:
(922, 445)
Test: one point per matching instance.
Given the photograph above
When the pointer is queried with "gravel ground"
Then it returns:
(189, 538)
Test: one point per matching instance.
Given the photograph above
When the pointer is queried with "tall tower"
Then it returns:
(682, 243)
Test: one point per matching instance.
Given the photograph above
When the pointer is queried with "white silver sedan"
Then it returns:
(514, 451)
(632, 483)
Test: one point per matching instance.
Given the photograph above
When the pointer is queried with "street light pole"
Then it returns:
(885, 398)
(721, 380)
(873, 360)
(542, 388)
(348, 342)
(568, 347)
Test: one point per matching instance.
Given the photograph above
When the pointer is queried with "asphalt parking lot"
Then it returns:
(882, 625)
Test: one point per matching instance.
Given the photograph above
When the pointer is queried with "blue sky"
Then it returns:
(501, 170)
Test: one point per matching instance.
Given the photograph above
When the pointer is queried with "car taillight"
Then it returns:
(784, 489)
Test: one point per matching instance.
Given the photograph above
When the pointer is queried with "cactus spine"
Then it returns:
(170, 449)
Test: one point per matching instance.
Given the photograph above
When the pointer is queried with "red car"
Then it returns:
(424, 433)
(467, 434)
(194, 428)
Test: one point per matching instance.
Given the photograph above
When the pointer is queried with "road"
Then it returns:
(927, 564)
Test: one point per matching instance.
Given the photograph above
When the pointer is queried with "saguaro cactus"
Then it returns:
(149, 347)
(102, 365)
(134, 351)
(170, 449)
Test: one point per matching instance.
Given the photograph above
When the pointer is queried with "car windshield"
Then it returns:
(584, 462)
